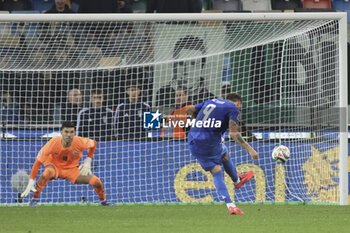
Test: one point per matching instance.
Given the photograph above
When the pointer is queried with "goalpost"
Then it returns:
(290, 69)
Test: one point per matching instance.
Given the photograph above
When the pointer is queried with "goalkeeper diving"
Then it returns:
(60, 157)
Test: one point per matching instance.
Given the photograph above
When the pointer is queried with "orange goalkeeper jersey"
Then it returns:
(54, 152)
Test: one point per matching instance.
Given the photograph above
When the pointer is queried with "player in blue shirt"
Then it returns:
(206, 142)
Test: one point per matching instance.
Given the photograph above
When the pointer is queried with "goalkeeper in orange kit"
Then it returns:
(60, 157)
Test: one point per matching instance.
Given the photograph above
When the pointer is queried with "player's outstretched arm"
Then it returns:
(234, 131)
(31, 182)
(85, 167)
(30, 187)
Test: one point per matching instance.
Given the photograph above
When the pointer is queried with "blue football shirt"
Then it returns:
(216, 113)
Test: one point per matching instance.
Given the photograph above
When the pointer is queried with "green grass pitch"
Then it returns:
(175, 218)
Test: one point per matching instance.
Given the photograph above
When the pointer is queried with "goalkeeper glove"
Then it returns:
(85, 168)
(30, 187)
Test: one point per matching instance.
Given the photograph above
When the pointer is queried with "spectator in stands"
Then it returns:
(174, 6)
(188, 73)
(177, 114)
(60, 6)
(125, 6)
(71, 108)
(128, 118)
(96, 121)
(9, 111)
(102, 6)
(15, 5)
(105, 6)
(114, 83)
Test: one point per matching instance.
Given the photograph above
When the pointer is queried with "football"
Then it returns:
(281, 154)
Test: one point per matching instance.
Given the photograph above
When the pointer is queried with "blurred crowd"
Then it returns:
(168, 6)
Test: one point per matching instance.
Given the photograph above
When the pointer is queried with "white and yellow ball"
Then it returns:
(281, 154)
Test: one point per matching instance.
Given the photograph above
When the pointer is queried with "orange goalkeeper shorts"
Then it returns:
(70, 174)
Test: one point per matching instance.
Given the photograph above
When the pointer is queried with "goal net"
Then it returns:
(123, 81)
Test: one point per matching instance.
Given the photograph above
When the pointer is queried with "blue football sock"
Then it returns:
(221, 187)
(231, 170)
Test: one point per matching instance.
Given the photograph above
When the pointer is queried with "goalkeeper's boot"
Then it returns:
(244, 179)
(34, 202)
(105, 203)
(235, 210)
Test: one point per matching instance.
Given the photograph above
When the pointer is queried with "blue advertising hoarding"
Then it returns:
(164, 171)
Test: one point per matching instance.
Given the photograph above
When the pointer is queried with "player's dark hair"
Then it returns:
(97, 92)
(67, 124)
(183, 88)
(132, 83)
(233, 96)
